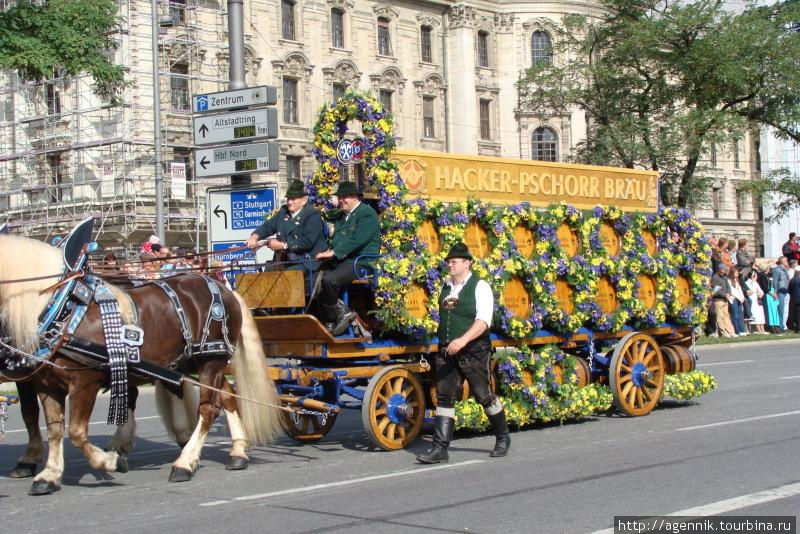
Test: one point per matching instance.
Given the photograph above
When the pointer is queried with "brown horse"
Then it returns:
(69, 376)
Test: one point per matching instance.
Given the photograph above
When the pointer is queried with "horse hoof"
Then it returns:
(23, 470)
(43, 487)
(122, 464)
(179, 474)
(236, 463)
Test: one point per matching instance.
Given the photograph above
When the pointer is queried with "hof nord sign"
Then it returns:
(452, 178)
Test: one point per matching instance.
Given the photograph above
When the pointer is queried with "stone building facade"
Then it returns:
(446, 69)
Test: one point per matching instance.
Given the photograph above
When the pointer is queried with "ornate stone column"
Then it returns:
(461, 93)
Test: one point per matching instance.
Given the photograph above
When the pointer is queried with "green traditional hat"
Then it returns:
(347, 189)
(296, 189)
(459, 250)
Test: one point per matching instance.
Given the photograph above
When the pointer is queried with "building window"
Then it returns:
(545, 145)
(337, 28)
(541, 48)
(177, 11)
(736, 162)
(427, 117)
(713, 154)
(483, 49)
(292, 168)
(338, 91)
(287, 19)
(56, 176)
(179, 87)
(290, 101)
(716, 201)
(53, 98)
(386, 99)
(486, 131)
(384, 40)
(425, 44)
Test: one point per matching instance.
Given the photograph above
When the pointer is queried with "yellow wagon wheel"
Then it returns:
(636, 374)
(306, 427)
(394, 408)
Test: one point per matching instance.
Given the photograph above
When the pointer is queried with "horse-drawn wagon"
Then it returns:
(593, 303)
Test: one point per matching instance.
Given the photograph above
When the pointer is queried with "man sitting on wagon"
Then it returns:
(297, 229)
(356, 232)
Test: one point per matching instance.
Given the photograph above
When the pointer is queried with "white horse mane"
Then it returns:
(20, 302)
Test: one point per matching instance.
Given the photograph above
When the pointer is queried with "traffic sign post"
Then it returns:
(262, 95)
(238, 126)
(236, 159)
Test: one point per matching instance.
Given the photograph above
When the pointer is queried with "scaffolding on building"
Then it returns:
(66, 154)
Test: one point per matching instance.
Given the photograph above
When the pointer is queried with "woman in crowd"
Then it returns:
(756, 295)
(771, 311)
(737, 303)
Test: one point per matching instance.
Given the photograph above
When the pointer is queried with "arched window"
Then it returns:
(545, 145)
(541, 48)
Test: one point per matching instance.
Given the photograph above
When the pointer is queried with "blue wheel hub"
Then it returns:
(396, 408)
(640, 374)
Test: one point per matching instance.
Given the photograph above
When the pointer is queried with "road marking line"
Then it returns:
(724, 363)
(315, 487)
(788, 377)
(735, 503)
(735, 421)
(44, 429)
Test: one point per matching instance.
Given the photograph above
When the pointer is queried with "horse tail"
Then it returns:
(261, 419)
(179, 415)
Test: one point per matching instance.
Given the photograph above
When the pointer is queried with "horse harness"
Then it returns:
(123, 341)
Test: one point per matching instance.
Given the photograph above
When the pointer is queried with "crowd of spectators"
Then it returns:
(753, 297)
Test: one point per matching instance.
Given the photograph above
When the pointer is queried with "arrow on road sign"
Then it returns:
(204, 130)
(217, 211)
(204, 162)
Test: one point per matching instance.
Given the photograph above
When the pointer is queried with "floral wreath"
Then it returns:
(376, 128)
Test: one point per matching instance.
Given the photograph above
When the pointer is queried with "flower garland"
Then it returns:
(376, 128)
(685, 386)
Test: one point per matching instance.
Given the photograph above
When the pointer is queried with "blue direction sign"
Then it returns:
(233, 214)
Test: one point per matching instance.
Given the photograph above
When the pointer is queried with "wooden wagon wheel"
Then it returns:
(636, 374)
(393, 409)
(306, 428)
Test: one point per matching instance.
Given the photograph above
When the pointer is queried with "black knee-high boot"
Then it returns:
(500, 429)
(442, 434)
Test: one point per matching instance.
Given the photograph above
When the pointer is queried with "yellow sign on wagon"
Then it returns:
(455, 177)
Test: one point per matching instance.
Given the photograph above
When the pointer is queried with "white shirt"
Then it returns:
(484, 299)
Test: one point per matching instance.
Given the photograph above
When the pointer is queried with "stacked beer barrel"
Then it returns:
(558, 269)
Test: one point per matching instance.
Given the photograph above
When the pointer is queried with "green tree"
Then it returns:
(71, 37)
(661, 81)
(779, 188)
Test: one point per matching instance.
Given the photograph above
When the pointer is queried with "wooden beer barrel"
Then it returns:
(610, 239)
(416, 301)
(427, 234)
(582, 371)
(683, 290)
(568, 238)
(564, 296)
(477, 240)
(650, 242)
(647, 291)
(607, 295)
(516, 298)
(677, 359)
(523, 238)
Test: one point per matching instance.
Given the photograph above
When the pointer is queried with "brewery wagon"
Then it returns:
(616, 292)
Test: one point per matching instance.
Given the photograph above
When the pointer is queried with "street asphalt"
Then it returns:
(733, 451)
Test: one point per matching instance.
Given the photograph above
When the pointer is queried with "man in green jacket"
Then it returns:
(356, 232)
(297, 229)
